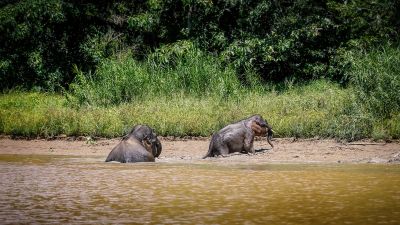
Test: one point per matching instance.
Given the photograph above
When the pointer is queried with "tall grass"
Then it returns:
(176, 69)
(316, 109)
(180, 91)
(376, 76)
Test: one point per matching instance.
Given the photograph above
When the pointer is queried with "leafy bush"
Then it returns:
(30, 46)
(42, 40)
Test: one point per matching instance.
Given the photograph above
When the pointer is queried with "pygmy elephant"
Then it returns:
(239, 137)
(139, 145)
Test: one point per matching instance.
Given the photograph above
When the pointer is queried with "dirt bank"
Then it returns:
(181, 150)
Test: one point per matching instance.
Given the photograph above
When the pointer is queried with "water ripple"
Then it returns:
(88, 191)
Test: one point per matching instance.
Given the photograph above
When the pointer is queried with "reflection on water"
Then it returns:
(48, 189)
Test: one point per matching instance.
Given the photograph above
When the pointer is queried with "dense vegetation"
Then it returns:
(313, 68)
(314, 110)
(42, 40)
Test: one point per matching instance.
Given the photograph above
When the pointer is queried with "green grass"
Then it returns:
(320, 108)
(376, 76)
(176, 69)
(180, 91)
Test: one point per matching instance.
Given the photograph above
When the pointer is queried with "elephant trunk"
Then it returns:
(157, 148)
(269, 137)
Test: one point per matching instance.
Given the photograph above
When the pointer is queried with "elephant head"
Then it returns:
(148, 137)
(262, 128)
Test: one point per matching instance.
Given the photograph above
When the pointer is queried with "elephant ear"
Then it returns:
(147, 145)
(260, 121)
(257, 129)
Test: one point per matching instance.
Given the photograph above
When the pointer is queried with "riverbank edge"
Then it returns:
(199, 138)
(192, 149)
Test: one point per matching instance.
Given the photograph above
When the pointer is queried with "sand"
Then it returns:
(286, 150)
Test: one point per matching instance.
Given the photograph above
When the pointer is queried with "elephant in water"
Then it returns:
(140, 145)
(239, 137)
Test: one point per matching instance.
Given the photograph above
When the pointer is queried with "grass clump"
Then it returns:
(176, 69)
(376, 76)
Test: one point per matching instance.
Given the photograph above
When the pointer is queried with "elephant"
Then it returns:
(239, 137)
(139, 145)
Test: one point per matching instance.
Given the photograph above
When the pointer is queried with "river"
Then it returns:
(46, 189)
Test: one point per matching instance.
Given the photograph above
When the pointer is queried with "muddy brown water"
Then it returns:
(46, 189)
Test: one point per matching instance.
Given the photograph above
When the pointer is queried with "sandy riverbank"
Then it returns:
(286, 150)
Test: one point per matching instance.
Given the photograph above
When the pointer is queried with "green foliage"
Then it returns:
(100, 46)
(320, 108)
(124, 59)
(42, 40)
(376, 76)
(368, 22)
(175, 69)
(24, 57)
(291, 45)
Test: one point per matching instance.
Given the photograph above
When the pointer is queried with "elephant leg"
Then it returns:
(248, 144)
(224, 150)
